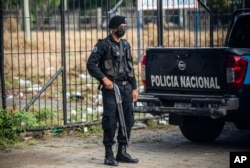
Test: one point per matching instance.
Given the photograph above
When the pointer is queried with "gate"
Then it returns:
(45, 44)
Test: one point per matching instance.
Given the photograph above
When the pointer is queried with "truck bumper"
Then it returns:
(197, 105)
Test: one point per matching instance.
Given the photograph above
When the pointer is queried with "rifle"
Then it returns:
(118, 99)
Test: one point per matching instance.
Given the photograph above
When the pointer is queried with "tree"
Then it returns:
(218, 5)
(222, 6)
(89, 4)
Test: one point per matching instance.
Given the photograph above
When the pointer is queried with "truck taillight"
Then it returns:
(236, 71)
(143, 70)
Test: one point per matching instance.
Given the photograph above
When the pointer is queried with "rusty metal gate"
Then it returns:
(45, 44)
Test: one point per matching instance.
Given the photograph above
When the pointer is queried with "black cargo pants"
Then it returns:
(111, 117)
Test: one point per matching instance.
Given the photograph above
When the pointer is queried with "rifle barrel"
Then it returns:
(120, 111)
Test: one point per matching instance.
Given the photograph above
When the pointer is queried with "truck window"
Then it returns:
(240, 37)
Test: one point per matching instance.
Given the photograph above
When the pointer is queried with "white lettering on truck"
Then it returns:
(185, 81)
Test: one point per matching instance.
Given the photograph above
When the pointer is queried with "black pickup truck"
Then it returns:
(201, 88)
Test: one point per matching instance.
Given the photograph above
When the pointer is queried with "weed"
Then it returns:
(95, 129)
(86, 131)
(11, 123)
(46, 117)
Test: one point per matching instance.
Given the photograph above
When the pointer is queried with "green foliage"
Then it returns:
(85, 131)
(154, 123)
(87, 4)
(222, 6)
(151, 123)
(95, 128)
(45, 117)
(11, 123)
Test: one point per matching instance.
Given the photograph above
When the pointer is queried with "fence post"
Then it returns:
(2, 57)
(160, 22)
(108, 15)
(211, 25)
(64, 84)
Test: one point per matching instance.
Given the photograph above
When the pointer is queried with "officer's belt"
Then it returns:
(125, 82)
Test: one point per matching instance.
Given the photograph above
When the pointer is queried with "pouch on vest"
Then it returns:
(115, 51)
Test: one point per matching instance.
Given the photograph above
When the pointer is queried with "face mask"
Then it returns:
(120, 32)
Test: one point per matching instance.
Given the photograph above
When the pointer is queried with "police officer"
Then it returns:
(111, 62)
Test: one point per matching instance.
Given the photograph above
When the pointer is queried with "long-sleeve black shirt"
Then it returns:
(96, 57)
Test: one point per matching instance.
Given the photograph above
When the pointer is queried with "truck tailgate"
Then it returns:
(186, 70)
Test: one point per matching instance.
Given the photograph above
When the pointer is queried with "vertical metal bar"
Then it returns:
(26, 19)
(64, 90)
(196, 26)
(159, 22)
(211, 25)
(2, 57)
(108, 15)
(139, 29)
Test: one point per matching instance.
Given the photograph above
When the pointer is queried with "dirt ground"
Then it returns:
(155, 148)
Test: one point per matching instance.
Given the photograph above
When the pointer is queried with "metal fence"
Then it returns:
(45, 44)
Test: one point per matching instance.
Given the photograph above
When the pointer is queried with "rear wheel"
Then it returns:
(201, 129)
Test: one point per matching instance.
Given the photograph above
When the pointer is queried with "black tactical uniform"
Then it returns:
(114, 60)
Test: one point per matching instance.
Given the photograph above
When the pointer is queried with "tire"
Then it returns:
(201, 129)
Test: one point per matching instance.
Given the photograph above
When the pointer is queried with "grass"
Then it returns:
(40, 57)
(37, 60)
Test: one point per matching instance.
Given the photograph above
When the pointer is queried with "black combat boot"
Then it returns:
(123, 156)
(109, 157)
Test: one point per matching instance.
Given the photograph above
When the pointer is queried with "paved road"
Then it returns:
(159, 148)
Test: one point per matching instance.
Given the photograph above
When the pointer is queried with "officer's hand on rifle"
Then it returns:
(135, 95)
(108, 84)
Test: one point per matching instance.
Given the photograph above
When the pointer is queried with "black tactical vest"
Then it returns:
(117, 62)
